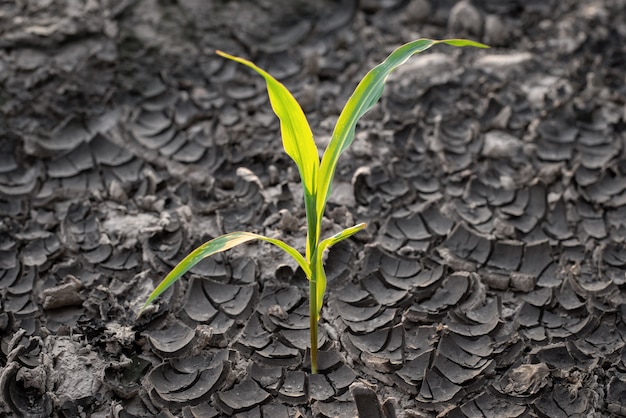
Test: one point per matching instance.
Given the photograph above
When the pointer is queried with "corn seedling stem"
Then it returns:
(313, 323)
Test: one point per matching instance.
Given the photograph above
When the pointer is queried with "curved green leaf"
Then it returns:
(365, 96)
(320, 286)
(340, 236)
(217, 245)
(297, 140)
(295, 130)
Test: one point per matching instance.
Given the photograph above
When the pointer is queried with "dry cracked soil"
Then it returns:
(490, 281)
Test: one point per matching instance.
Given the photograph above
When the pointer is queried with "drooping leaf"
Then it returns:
(365, 96)
(217, 245)
(297, 140)
(295, 130)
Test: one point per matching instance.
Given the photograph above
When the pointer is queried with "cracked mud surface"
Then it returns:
(490, 281)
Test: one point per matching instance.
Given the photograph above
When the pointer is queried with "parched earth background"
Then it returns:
(490, 281)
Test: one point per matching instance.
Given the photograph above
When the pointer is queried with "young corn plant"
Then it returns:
(316, 176)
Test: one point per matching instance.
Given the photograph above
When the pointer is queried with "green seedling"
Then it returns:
(316, 176)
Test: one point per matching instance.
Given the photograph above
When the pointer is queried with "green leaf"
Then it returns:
(340, 236)
(462, 42)
(297, 140)
(365, 96)
(320, 287)
(295, 130)
(217, 245)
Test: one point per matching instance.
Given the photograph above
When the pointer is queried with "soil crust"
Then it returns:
(490, 281)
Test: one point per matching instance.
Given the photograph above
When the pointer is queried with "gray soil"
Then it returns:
(490, 281)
